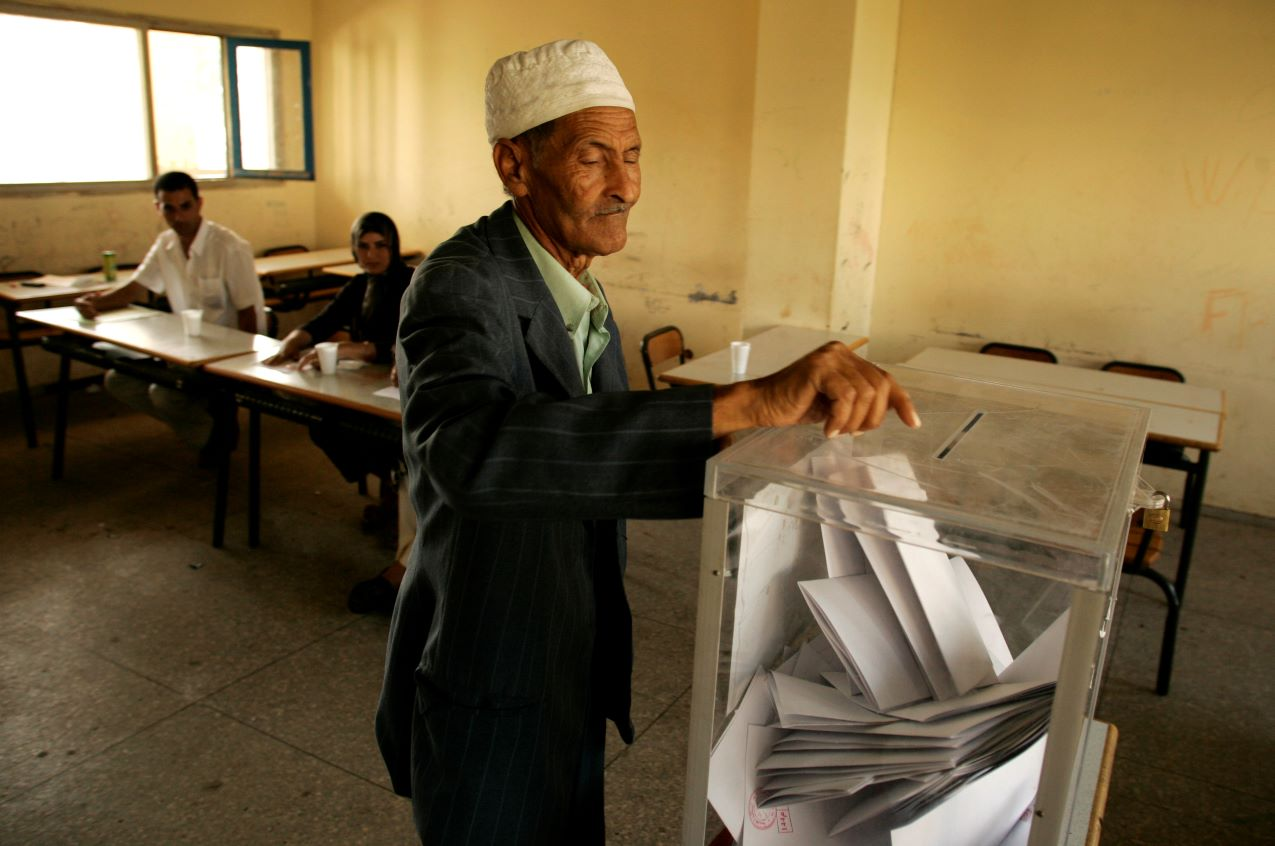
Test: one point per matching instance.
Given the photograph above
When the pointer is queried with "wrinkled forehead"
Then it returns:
(605, 126)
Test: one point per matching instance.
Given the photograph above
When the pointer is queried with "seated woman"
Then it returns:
(365, 310)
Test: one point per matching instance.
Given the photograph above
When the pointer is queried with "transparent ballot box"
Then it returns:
(900, 635)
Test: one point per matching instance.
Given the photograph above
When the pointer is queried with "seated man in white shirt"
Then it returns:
(196, 264)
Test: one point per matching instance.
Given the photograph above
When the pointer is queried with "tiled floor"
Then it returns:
(154, 690)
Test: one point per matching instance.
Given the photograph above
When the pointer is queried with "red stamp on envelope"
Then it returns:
(761, 818)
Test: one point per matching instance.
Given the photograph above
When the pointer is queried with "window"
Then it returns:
(119, 102)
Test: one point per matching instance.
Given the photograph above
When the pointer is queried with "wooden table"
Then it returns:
(307, 262)
(1190, 416)
(771, 350)
(41, 293)
(347, 398)
(1182, 414)
(310, 261)
(348, 270)
(155, 335)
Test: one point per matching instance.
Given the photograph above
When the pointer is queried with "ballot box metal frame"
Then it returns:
(1085, 569)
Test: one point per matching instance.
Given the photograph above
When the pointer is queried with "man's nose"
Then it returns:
(625, 183)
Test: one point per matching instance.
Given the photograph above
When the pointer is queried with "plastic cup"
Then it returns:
(193, 321)
(739, 357)
(327, 356)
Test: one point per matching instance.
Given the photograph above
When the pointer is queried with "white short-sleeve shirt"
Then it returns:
(219, 276)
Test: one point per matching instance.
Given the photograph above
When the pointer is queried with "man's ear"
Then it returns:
(512, 162)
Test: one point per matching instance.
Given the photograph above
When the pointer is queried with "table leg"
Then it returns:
(1190, 520)
(254, 478)
(59, 426)
(223, 493)
(20, 373)
(1192, 502)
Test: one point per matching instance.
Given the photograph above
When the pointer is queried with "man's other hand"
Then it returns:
(831, 385)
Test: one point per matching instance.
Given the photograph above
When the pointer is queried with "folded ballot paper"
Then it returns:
(907, 720)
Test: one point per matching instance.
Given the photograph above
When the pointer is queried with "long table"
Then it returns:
(1184, 415)
(41, 292)
(153, 335)
(770, 351)
(347, 398)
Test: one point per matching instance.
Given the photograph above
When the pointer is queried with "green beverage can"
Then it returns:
(108, 265)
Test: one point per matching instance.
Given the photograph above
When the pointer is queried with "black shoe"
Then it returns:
(373, 595)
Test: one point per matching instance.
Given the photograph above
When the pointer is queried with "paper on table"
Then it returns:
(726, 765)
(389, 393)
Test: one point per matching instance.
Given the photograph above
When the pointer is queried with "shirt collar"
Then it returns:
(201, 238)
(575, 298)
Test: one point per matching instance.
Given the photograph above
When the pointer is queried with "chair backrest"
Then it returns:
(283, 251)
(1150, 371)
(1019, 351)
(661, 345)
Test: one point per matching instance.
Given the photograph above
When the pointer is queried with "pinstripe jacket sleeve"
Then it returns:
(521, 483)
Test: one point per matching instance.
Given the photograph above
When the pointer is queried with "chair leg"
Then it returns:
(1169, 640)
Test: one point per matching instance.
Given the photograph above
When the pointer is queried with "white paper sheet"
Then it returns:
(726, 765)
(1040, 661)
(861, 625)
(981, 812)
(984, 617)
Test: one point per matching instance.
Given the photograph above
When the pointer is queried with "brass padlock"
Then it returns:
(1156, 516)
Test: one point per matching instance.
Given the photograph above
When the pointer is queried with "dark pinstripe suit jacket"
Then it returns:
(521, 483)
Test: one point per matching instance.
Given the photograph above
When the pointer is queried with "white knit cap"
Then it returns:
(530, 88)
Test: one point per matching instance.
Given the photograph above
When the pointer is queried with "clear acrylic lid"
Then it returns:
(1024, 479)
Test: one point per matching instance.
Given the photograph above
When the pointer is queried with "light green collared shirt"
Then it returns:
(583, 307)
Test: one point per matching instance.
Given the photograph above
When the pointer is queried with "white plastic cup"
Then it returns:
(327, 356)
(193, 321)
(739, 357)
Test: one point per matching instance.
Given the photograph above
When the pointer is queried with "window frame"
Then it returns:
(143, 24)
(231, 65)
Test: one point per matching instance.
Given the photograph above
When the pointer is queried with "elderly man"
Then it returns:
(511, 641)
(196, 264)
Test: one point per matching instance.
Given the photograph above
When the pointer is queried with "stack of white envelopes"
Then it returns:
(907, 721)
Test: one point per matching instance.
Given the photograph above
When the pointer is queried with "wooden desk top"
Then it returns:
(771, 350)
(353, 388)
(300, 262)
(1189, 415)
(348, 270)
(321, 260)
(58, 287)
(155, 333)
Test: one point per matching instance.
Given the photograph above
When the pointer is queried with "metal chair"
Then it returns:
(1019, 351)
(662, 345)
(1142, 551)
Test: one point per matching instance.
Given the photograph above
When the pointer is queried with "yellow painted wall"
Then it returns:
(1095, 178)
(399, 87)
(66, 232)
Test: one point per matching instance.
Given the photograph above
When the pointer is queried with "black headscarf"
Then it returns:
(381, 224)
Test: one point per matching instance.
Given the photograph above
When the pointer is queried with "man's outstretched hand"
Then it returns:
(831, 385)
